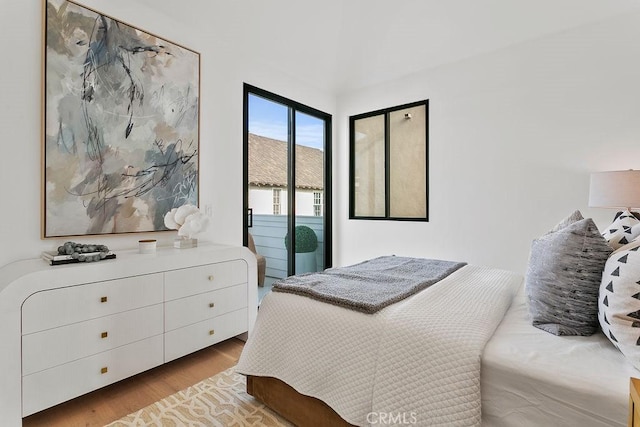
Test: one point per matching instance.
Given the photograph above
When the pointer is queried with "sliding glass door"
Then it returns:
(287, 192)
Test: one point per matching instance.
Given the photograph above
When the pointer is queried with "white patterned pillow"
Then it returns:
(619, 301)
(624, 228)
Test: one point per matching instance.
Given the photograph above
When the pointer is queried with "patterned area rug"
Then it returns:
(217, 401)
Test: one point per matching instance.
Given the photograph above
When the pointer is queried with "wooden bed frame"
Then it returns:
(301, 410)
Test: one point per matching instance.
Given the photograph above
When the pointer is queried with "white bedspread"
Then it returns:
(418, 359)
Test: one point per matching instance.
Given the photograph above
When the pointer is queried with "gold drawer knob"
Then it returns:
(211, 278)
(104, 334)
(104, 370)
(103, 299)
(211, 332)
(211, 305)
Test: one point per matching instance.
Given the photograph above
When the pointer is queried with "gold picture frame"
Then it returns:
(121, 124)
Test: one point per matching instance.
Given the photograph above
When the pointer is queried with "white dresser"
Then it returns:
(67, 330)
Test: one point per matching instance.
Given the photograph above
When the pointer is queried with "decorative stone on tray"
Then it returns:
(72, 252)
(84, 252)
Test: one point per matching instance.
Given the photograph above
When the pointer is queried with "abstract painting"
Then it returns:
(121, 125)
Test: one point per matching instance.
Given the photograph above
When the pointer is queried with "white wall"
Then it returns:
(224, 68)
(304, 202)
(513, 137)
(261, 201)
(514, 134)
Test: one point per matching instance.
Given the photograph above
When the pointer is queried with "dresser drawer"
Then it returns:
(186, 311)
(53, 347)
(52, 386)
(182, 341)
(63, 306)
(206, 278)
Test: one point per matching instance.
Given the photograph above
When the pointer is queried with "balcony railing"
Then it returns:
(268, 233)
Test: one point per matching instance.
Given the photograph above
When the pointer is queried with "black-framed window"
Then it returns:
(389, 163)
(300, 168)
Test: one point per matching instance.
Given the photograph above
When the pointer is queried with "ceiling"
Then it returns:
(342, 45)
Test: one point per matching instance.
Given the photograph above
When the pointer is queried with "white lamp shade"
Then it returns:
(615, 189)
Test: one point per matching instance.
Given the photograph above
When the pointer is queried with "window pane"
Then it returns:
(317, 204)
(408, 163)
(268, 124)
(369, 196)
(276, 201)
(309, 132)
(388, 167)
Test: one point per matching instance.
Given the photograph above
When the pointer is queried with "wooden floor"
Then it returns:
(117, 400)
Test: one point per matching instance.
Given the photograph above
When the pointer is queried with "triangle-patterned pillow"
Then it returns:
(623, 230)
(619, 301)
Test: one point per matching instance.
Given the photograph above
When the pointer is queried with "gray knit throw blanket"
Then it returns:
(370, 285)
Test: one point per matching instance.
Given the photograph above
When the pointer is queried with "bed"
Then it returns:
(532, 378)
(304, 363)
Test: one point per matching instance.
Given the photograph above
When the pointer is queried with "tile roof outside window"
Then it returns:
(268, 160)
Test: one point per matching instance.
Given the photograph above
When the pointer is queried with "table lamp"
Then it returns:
(618, 190)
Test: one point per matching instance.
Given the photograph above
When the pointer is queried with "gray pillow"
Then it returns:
(563, 278)
(574, 217)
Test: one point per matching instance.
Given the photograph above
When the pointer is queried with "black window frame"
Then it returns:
(352, 178)
(327, 206)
